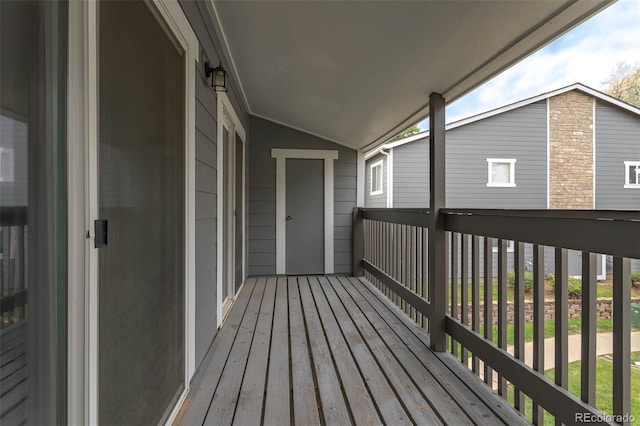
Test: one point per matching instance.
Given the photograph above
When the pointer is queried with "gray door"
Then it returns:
(141, 194)
(305, 217)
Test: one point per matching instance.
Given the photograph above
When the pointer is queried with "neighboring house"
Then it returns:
(572, 148)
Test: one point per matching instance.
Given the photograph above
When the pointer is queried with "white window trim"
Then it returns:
(512, 172)
(510, 246)
(379, 163)
(7, 175)
(281, 156)
(627, 165)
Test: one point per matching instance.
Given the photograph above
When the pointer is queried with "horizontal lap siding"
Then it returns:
(206, 242)
(266, 135)
(519, 134)
(411, 174)
(378, 200)
(617, 140)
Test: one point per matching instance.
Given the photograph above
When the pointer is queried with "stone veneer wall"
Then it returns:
(571, 151)
(604, 309)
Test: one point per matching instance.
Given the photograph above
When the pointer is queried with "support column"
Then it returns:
(437, 233)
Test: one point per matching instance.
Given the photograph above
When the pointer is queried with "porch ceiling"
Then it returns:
(358, 72)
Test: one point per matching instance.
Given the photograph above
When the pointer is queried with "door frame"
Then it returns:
(224, 106)
(281, 156)
(82, 172)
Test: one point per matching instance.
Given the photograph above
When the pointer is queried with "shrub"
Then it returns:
(575, 287)
(528, 279)
(551, 278)
(635, 279)
(574, 284)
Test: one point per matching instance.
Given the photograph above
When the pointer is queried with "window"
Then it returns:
(502, 172)
(6, 165)
(376, 178)
(632, 174)
(494, 245)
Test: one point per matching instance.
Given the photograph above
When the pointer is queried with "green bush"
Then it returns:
(528, 279)
(575, 287)
(635, 279)
(574, 284)
(551, 278)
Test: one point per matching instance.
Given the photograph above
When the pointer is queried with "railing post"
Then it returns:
(358, 242)
(437, 233)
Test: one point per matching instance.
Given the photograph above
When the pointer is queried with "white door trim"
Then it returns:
(82, 127)
(224, 106)
(281, 156)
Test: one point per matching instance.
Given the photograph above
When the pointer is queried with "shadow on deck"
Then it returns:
(331, 350)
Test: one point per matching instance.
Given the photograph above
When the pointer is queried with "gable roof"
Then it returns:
(483, 115)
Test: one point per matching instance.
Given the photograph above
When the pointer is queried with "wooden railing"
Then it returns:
(13, 265)
(13, 315)
(487, 249)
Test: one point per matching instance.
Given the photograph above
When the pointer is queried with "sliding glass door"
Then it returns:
(141, 163)
(33, 221)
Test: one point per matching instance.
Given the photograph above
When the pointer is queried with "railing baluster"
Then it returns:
(518, 314)
(538, 322)
(403, 261)
(464, 289)
(416, 251)
(621, 337)
(422, 282)
(488, 302)
(454, 286)
(561, 322)
(414, 268)
(7, 285)
(502, 308)
(589, 316)
(475, 294)
(386, 251)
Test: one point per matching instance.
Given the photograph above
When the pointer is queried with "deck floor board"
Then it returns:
(329, 350)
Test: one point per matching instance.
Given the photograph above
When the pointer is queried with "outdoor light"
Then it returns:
(219, 79)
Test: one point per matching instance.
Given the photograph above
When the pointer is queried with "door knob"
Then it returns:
(289, 218)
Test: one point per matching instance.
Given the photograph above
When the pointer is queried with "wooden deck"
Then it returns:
(331, 350)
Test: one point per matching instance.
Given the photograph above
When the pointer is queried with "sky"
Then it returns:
(588, 54)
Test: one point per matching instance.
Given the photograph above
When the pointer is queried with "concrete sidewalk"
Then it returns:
(604, 345)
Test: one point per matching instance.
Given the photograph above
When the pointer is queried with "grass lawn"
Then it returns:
(604, 392)
(605, 289)
(574, 327)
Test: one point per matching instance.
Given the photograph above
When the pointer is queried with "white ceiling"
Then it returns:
(359, 72)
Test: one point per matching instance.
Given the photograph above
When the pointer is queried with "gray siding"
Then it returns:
(262, 193)
(617, 140)
(206, 180)
(378, 200)
(411, 174)
(519, 134)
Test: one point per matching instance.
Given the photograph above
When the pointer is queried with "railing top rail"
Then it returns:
(13, 216)
(611, 232)
(404, 209)
(610, 235)
(411, 217)
(629, 215)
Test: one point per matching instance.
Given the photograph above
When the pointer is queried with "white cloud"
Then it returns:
(587, 54)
